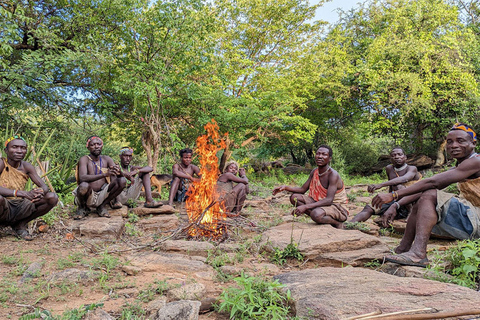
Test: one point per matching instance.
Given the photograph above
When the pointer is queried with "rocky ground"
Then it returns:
(126, 266)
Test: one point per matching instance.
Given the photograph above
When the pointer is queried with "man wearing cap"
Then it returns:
(18, 206)
(99, 180)
(436, 211)
(137, 177)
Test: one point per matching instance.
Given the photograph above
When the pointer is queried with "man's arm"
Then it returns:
(464, 170)
(231, 177)
(177, 172)
(83, 175)
(30, 170)
(33, 195)
(409, 175)
(301, 189)
(332, 188)
(136, 170)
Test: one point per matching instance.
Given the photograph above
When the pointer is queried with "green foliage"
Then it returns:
(74, 314)
(461, 262)
(291, 251)
(132, 311)
(374, 264)
(255, 298)
(356, 226)
(131, 204)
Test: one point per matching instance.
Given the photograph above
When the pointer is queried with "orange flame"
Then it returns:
(204, 209)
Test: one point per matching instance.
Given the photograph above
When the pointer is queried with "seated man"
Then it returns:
(18, 206)
(400, 175)
(182, 174)
(446, 214)
(138, 177)
(99, 180)
(327, 193)
(234, 196)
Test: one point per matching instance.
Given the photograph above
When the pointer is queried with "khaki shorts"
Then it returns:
(335, 211)
(96, 198)
(132, 192)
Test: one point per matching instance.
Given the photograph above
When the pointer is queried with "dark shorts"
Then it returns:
(16, 210)
(181, 195)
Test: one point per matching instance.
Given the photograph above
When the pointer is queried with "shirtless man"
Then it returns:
(234, 196)
(99, 181)
(443, 213)
(138, 177)
(327, 193)
(182, 174)
(400, 175)
(18, 206)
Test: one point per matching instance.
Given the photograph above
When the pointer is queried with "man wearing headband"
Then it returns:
(138, 177)
(439, 212)
(99, 181)
(400, 175)
(18, 206)
(182, 174)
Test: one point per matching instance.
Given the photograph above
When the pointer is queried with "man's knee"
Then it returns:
(51, 198)
(83, 188)
(294, 197)
(429, 196)
(122, 182)
(3, 201)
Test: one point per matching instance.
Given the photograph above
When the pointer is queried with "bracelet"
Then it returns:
(394, 195)
(398, 204)
(15, 192)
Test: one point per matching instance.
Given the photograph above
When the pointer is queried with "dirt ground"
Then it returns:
(105, 261)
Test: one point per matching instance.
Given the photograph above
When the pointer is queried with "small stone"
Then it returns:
(131, 270)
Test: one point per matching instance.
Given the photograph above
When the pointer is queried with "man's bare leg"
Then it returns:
(363, 215)
(43, 206)
(319, 216)
(419, 227)
(115, 187)
(173, 190)
(240, 191)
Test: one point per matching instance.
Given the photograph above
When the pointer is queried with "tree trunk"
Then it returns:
(440, 155)
(151, 144)
(226, 154)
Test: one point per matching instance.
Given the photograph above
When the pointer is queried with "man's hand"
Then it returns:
(278, 189)
(382, 198)
(389, 215)
(129, 175)
(32, 195)
(373, 187)
(114, 170)
(299, 210)
(241, 172)
(195, 179)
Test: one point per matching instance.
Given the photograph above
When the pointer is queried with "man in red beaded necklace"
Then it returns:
(18, 206)
(99, 181)
(327, 193)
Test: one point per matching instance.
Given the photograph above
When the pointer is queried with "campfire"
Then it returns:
(205, 209)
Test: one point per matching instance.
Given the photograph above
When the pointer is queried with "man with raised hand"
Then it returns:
(137, 177)
(99, 180)
(18, 206)
(443, 213)
(326, 196)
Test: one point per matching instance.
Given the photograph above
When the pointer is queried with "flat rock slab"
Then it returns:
(326, 245)
(191, 248)
(340, 293)
(169, 263)
(99, 228)
(159, 223)
(165, 209)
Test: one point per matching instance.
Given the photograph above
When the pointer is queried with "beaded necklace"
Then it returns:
(323, 173)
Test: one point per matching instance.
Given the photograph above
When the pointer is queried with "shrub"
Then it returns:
(256, 298)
